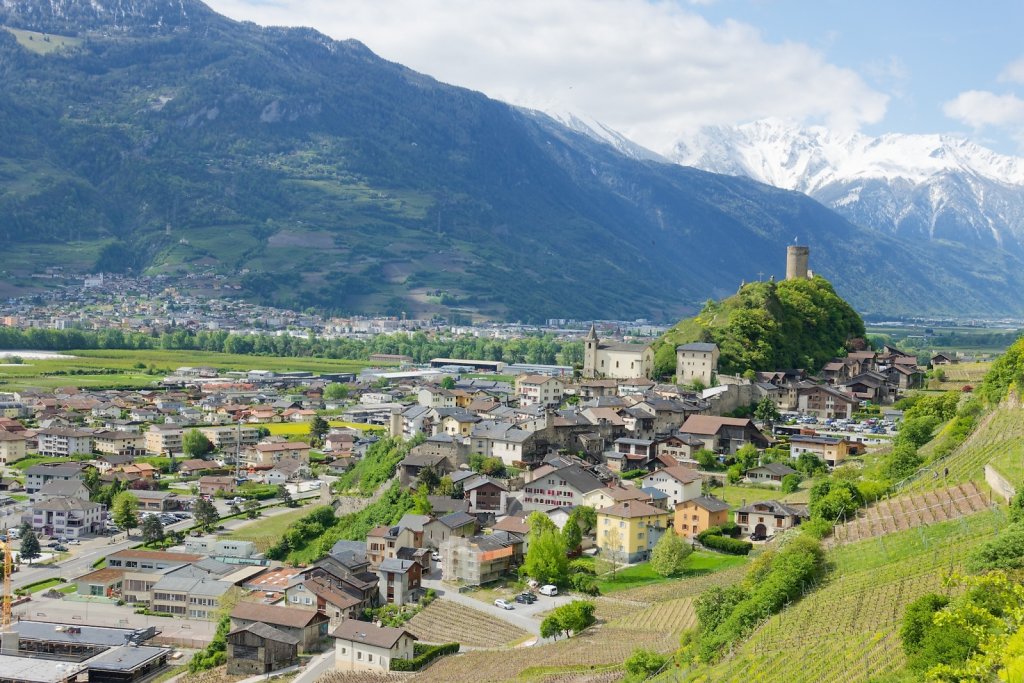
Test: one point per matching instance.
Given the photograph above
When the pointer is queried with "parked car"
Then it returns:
(504, 604)
(60, 548)
(435, 556)
(526, 598)
(549, 590)
(53, 544)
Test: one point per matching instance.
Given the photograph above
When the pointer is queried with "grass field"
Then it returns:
(266, 531)
(302, 428)
(42, 43)
(737, 496)
(847, 630)
(698, 563)
(118, 368)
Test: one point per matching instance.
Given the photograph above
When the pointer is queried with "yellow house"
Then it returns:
(12, 447)
(629, 530)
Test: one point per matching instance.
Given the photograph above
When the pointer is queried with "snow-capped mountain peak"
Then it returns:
(938, 186)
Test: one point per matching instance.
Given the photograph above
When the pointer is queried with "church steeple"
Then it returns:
(593, 332)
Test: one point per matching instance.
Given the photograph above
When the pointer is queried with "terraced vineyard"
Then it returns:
(912, 510)
(999, 434)
(847, 629)
(443, 621)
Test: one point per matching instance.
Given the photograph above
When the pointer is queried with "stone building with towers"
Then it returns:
(606, 360)
(797, 258)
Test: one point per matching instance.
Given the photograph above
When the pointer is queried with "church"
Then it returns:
(606, 360)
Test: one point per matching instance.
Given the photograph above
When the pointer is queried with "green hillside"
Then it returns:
(767, 326)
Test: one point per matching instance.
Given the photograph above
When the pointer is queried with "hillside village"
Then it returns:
(722, 462)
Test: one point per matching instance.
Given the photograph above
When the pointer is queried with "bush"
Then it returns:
(1005, 551)
(633, 474)
(817, 528)
(584, 583)
(731, 546)
(644, 663)
(424, 654)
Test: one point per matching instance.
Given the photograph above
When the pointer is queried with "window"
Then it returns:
(359, 654)
(369, 657)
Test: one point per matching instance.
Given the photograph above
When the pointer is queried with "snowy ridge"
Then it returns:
(937, 186)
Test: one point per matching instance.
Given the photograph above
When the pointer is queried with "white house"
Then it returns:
(679, 483)
(364, 646)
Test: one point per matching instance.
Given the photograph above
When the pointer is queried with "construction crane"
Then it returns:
(8, 596)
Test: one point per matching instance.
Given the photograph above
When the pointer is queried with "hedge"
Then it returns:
(425, 654)
(728, 545)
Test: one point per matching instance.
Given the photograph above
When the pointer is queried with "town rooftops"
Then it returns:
(393, 565)
(825, 440)
(133, 554)
(455, 520)
(366, 632)
(66, 504)
(683, 475)
(56, 469)
(282, 446)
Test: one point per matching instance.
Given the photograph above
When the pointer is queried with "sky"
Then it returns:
(651, 69)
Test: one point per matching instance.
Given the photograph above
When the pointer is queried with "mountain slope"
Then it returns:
(931, 187)
(310, 172)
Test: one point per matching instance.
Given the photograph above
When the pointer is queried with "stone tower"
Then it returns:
(590, 353)
(796, 262)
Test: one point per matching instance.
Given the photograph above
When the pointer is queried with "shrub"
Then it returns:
(424, 654)
(584, 583)
(1005, 551)
(917, 619)
(644, 663)
(731, 546)
(791, 483)
(817, 528)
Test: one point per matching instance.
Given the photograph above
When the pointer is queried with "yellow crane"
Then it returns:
(8, 596)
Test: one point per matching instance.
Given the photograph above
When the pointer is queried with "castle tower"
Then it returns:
(590, 353)
(796, 262)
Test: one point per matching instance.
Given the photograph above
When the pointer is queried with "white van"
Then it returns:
(13, 533)
(549, 590)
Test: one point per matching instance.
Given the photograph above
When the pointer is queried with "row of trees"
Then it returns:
(418, 345)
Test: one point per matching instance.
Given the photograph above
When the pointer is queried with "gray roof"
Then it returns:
(414, 522)
(697, 346)
(126, 658)
(267, 632)
(579, 479)
(774, 507)
(480, 480)
(87, 635)
(654, 493)
(710, 504)
(65, 504)
(62, 469)
(395, 565)
(776, 468)
(457, 519)
(344, 551)
(365, 632)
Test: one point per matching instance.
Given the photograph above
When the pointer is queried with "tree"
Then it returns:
(706, 459)
(747, 457)
(585, 516)
(318, 429)
(446, 487)
(609, 559)
(572, 535)
(205, 514)
(30, 549)
(669, 554)
(195, 444)
(152, 530)
(428, 477)
(286, 496)
(234, 509)
(336, 391)
(448, 382)
(546, 560)
(791, 483)
(539, 522)
(571, 618)
(421, 501)
(252, 508)
(125, 511)
(809, 464)
(766, 411)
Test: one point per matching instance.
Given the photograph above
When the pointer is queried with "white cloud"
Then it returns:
(981, 108)
(647, 69)
(1014, 72)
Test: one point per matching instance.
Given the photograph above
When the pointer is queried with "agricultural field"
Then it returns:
(120, 368)
(997, 439)
(738, 496)
(362, 677)
(911, 510)
(847, 629)
(443, 621)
